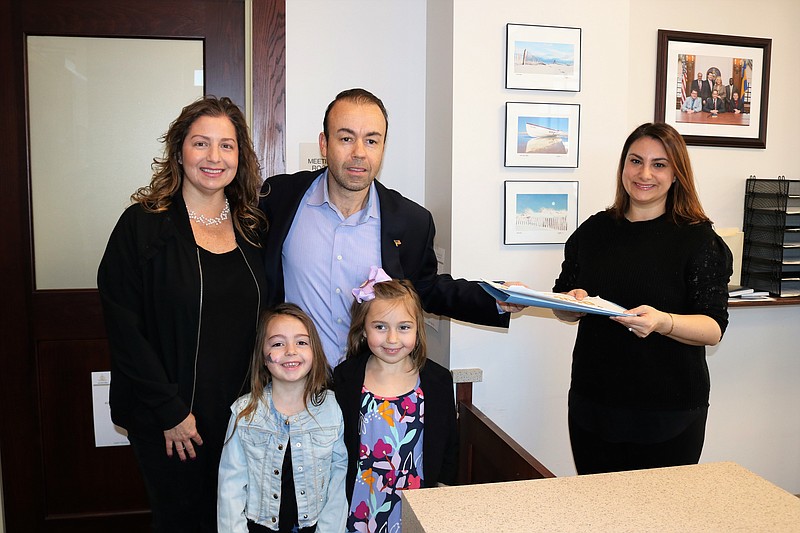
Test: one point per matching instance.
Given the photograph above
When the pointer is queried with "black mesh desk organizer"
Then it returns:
(771, 255)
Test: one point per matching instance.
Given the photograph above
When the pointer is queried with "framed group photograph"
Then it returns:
(714, 89)
(546, 58)
(542, 135)
(540, 212)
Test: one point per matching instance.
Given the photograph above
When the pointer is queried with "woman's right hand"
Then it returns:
(572, 316)
(184, 437)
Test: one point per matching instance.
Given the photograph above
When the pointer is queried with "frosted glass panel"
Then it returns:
(97, 108)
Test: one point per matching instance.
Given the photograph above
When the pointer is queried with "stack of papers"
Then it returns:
(736, 292)
(517, 294)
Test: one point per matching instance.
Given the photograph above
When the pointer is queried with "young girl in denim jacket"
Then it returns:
(284, 462)
(398, 407)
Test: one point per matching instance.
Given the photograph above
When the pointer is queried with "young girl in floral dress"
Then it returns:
(398, 408)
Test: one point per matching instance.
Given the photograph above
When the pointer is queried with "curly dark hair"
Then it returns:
(242, 192)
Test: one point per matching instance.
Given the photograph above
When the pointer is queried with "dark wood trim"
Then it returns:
(464, 392)
(793, 300)
(488, 454)
(56, 311)
(19, 441)
(269, 84)
(214, 21)
(664, 86)
(26, 315)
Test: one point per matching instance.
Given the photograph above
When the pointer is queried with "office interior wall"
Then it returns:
(334, 45)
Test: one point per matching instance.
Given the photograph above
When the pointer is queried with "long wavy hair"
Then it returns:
(399, 292)
(683, 204)
(242, 192)
(318, 378)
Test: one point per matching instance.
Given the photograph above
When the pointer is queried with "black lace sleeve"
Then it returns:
(708, 274)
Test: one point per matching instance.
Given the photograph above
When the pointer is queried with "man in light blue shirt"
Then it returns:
(328, 227)
(322, 255)
(692, 104)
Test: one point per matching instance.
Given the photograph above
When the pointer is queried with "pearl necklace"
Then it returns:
(216, 221)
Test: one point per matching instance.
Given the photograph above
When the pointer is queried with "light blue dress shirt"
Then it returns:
(692, 104)
(325, 256)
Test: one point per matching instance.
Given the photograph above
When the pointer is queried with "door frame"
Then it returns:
(214, 21)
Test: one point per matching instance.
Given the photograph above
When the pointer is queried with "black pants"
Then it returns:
(182, 495)
(594, 455)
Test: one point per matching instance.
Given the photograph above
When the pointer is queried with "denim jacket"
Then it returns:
(252, 459)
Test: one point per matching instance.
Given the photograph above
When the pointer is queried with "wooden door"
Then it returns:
(54, 478)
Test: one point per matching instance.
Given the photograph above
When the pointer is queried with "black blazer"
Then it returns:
(705, 89)
(407, 232)
(708, 105)
(440, 437)
(150, 287)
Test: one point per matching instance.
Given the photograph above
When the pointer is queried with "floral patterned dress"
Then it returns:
(390, 459)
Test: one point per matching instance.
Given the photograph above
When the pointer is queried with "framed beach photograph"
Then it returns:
(545, 58)
(714, 89)
(540, 212)
(542, 135)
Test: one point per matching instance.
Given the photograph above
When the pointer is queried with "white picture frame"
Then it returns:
(539, 212)
(544, 58)
(542, 135)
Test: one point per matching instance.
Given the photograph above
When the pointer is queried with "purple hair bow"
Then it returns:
(366, 291)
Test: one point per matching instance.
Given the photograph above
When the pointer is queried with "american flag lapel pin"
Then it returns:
(397, 243)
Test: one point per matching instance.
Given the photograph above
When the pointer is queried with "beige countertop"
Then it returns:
(722, 497)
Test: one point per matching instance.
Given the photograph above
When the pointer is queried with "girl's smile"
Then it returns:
(391, 332)
(287, 349)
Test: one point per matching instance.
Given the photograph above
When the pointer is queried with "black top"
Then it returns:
(676, 269)
(287, 516)
(226, 340)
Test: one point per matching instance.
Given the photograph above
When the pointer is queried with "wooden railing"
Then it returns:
(487, 453)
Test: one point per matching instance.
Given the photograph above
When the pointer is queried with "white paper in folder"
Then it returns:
(734, 238)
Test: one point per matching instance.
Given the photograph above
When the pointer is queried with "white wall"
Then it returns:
(756, 368)
(526, 371)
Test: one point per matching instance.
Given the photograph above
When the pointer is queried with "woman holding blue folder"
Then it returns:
(640, 384)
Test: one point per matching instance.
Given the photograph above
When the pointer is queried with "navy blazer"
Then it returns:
(708, 105)
(736, 105)
(705, 89)
(407, 232)
(440, 437)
